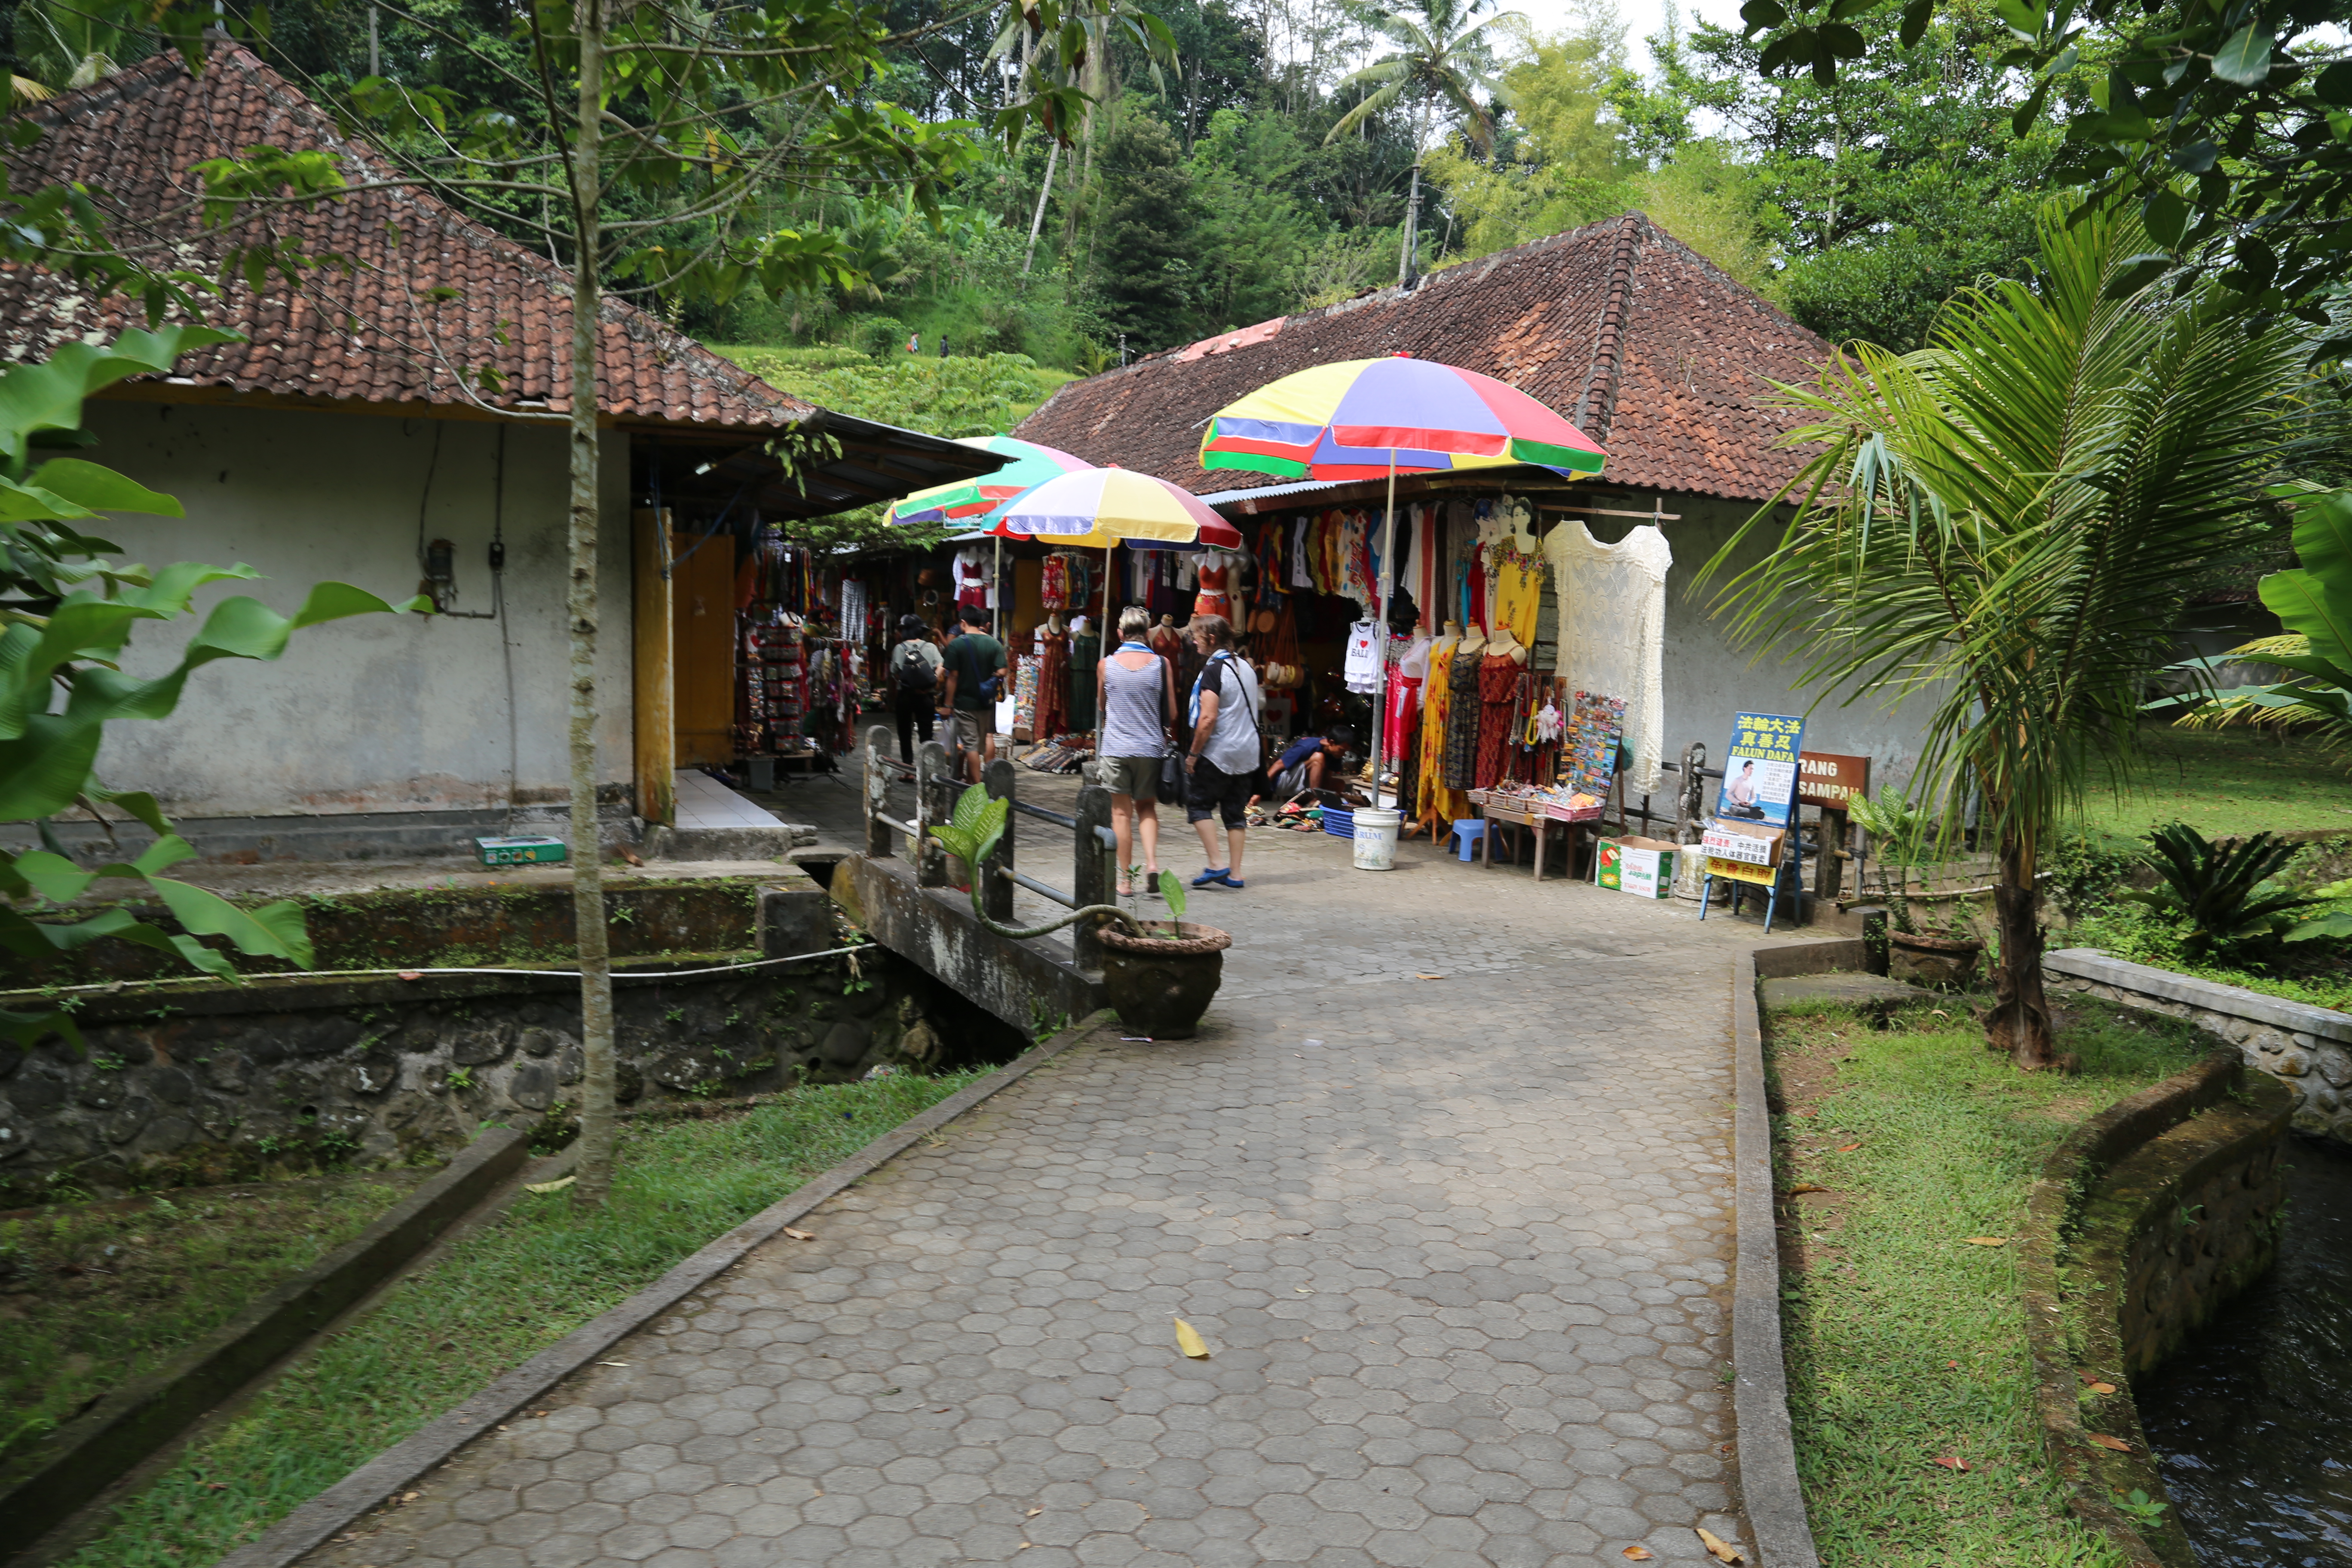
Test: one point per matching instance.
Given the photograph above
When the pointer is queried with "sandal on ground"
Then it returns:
(1209, 878)
(1126, 889)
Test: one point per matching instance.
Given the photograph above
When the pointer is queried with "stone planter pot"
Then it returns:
(1945, 963)
(1160, 985)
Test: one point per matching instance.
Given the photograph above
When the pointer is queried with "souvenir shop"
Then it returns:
(1523, 656)
(803, 653)
(1055, 637)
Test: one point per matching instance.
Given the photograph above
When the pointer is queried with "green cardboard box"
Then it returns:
(1642, 867)
(520, 851)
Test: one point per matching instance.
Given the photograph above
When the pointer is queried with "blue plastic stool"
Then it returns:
(1467, 831)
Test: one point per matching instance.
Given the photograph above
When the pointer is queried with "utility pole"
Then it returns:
(375, 54)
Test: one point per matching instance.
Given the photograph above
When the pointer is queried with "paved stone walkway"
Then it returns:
(1444, 1184)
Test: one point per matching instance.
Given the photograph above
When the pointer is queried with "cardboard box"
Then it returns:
(519, 851)
(1642, 867)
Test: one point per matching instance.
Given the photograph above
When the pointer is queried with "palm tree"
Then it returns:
(1079, 56)
(1440, 54)
(2004, 524)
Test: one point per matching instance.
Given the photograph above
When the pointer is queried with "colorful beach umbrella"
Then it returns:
(1101, 508)
(1030, 465)
(1366, 418)
(1357, 418)
(1095, 509)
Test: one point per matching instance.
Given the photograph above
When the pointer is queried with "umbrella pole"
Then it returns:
(996, 588)
(1380, 631)
(1102, 641)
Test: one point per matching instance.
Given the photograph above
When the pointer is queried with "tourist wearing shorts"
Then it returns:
(1139, 693)
(974, 664)
(1221, 769)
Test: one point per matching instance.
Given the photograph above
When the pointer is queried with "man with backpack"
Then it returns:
(914, 683)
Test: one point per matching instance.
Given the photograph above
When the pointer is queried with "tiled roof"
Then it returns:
(377, 332)
(1628, 332)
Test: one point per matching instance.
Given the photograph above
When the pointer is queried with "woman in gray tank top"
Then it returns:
(1138, 694)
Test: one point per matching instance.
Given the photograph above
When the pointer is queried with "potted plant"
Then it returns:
(1159, 981)
(1899, 833)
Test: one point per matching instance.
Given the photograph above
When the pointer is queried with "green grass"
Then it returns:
(91, 1297)
(2225, 782)
(977, 394)
(499, 1296)
(1906, 1343)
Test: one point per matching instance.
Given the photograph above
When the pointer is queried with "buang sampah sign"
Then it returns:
(1828, 780)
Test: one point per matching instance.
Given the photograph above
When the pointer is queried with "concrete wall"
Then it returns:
(378, 714)
(1707, 679)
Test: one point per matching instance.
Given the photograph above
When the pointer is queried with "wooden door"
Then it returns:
(702, 660)
(656, 749)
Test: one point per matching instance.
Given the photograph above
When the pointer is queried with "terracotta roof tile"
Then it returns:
(375, 332)
(1622, 327)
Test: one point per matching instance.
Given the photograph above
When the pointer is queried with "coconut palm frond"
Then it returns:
(1372, 104)
(2001, 527)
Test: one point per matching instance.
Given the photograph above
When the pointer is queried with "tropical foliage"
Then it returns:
(2315, 602)
(2001, 527)
(2221, 892)
(2249, 103)
(69, 608)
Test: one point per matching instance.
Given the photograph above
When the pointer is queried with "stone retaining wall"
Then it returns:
(2307, 1048)
(2145, 1222)
(212, 1083)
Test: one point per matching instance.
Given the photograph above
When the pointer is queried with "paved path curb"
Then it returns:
(1772, 1498)
(342, 1504)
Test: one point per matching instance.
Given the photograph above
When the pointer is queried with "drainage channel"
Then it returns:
(2253, 1418)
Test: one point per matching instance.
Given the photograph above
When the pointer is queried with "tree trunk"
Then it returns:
(595, 1170)
(1053, 152)
(1411, 214)
(2019, 1021)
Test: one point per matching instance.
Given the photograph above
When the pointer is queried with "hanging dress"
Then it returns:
(1430, 800)
(1085, 658)
(1053, 684)
(1408, 666)
(1053, 584)
(1462, 723)
(1498, 689)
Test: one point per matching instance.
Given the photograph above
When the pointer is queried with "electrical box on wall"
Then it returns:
(519, 851)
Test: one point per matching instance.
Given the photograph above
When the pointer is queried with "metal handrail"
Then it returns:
(1057, 818)
(1042, 890)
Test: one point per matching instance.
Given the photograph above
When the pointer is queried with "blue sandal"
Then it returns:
(1209, 878)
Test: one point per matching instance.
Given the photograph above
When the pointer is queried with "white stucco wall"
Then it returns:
(379, 713)
(1707, 679)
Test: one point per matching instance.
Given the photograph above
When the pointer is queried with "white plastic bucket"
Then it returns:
(1376, 838)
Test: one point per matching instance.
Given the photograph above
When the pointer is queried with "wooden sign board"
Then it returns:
(1827, 779)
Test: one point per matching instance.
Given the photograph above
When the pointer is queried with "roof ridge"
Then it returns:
(1596, 405)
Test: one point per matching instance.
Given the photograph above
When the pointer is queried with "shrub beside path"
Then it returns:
(1444, 1184)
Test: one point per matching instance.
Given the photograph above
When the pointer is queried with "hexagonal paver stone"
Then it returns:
(1442, 1183)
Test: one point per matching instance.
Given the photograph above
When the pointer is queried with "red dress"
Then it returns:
(1498, 689)
(1052, 686)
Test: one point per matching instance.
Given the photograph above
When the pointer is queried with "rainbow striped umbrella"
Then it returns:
(1360, 419)
(1031, 465)
(1095, 509)
(1366, 418)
